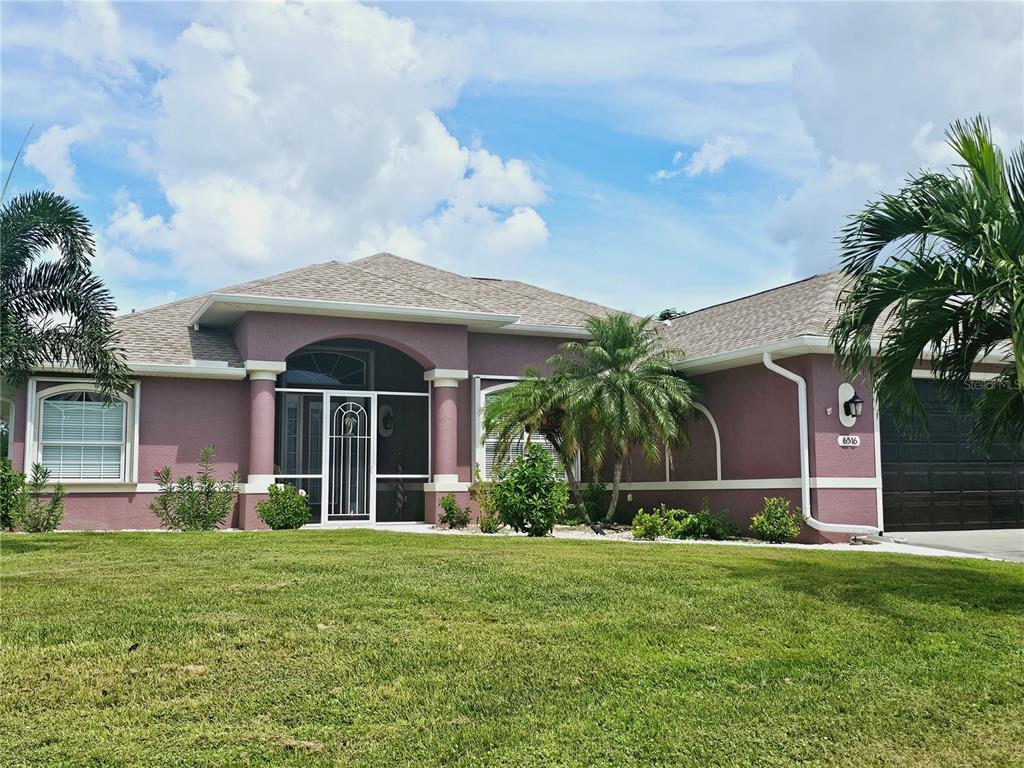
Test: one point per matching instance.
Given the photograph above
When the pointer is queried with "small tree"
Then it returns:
(195, 504)
(528, 494)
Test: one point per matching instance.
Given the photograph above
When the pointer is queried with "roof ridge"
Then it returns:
(510, 283)
(278, 277)
(420, 286)
(136, 313)
(752, 295)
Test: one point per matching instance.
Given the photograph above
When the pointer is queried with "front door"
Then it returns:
(350, 492)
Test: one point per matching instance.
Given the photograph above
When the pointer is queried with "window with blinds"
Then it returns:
(514, 450)
(81, 437)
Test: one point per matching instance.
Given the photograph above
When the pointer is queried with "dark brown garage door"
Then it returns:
(938, 481)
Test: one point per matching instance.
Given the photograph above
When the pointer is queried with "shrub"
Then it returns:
(286, 508)
(528, 494)
(195, 504)
(36, 514)
(452, 514)
(480, 492)
(680, 524)
(648, 525)
(705, 524)
(777, 522)
(13, 496)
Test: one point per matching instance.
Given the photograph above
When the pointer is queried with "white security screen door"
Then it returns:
(350, 481)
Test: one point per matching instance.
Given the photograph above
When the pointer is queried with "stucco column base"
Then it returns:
(248, 519)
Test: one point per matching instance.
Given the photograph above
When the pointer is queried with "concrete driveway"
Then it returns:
(1006, 544)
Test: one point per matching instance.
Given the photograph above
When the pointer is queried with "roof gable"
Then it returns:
(382, 283)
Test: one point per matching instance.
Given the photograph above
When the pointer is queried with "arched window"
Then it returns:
(79, 437)
(327, 369)
(487, 460)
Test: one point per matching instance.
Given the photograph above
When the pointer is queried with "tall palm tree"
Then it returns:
(54, 310)
(620, 388)
(938, 270)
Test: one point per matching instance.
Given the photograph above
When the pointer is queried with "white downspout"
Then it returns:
(805, 458)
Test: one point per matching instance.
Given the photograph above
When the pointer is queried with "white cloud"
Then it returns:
(809, 220)
(50, 154)
(320, 139)
(876, 118)
(710, 158)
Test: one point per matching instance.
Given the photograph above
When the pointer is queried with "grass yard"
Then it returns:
(382, 649)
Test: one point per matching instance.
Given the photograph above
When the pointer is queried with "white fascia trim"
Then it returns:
(347, 308)
(798, 345)
(753, 484)
(927, 373)
(540, 329)
(197, 370)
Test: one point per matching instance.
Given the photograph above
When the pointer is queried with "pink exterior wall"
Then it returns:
(757, 416)
(267, 336)
(177, 417)
(827, 458)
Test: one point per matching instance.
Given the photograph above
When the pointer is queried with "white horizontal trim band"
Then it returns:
(748, 484)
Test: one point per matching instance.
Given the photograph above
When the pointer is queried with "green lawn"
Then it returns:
(372, 648)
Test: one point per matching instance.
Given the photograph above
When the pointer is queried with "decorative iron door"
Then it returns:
(350, 478)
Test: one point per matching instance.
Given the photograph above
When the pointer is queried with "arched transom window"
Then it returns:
(80, 437)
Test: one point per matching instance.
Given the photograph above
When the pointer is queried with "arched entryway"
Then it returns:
(353, 431)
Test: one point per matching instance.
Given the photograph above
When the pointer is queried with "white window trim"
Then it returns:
(479, 399)
(130, 456)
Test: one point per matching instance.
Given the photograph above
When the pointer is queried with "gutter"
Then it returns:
(805, 458)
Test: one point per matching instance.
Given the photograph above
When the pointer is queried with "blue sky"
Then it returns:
(637, 154)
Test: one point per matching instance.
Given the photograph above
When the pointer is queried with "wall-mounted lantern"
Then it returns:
(854, 406)
(851, 405)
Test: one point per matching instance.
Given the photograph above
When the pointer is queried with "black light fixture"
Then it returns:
(854, 406)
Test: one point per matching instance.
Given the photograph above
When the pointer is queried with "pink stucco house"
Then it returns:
(362, 383)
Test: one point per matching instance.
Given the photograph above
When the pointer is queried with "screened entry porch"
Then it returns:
(352, 430)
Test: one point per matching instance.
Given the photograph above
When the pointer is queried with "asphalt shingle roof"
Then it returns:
(803, 308)
(162, 334)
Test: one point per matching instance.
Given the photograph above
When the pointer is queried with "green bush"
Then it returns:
(777, 522)
(529, 494)
(13, 496)
(195, 504)
(680, 524)
(286, 508)
(648, 525)
(480, 492)
(36, 514)
(452, 514)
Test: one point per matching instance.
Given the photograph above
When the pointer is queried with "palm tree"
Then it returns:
(620, 388)
(531, 407)
(938, 269)
(54, 310)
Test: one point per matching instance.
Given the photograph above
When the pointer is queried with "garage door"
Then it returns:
(938, 481)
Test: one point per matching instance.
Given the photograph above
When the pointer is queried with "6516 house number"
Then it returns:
(849, 441)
